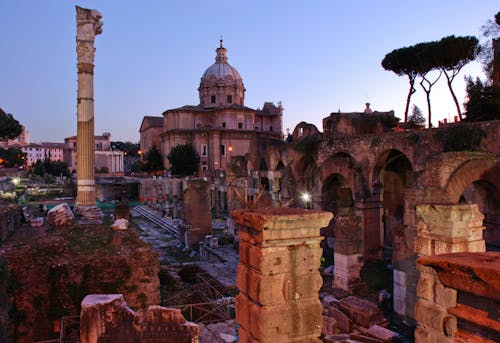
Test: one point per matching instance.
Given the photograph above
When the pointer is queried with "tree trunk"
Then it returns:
(412, 90)
(449, 81)
(428, 94)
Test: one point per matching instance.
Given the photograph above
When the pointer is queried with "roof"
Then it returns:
(150, 121)
(198, 108)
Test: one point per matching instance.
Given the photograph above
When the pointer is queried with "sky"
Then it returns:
(316, 57)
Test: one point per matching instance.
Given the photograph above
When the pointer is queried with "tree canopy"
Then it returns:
(184, 160)
(448, 56)
(153, 161)
(483, 101)
(401, 62)
(9, 127)
(416, 119)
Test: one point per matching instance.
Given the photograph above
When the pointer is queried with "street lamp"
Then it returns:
(306, 197)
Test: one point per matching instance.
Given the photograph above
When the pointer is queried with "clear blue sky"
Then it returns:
(314, 56)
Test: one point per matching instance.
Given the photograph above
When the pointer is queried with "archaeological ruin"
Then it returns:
(366, 231)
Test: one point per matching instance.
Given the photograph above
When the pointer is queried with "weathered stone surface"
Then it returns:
(279, 288)
(381, 333)
(278, 275)
(266, 226)
(361, 311)
(10, 220)
(477, 273)
(347, 271)
(120, 224)
(449, 223)
(57, 268)
(431, 315)
(60, 215)
(195, 214)
(107, 318)
(343, 322)
(281, 259)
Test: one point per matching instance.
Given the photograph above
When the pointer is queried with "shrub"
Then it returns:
(460, 138)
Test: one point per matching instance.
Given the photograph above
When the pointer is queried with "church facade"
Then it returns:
(220, 126)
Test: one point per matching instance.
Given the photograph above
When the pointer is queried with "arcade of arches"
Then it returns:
(381, 179)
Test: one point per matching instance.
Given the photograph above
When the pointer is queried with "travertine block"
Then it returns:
(362, 312)
(444, 296)
(431, 315)
(287, 322)
(279, 288)
(274, 260)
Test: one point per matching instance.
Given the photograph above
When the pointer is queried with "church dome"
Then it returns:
(221, 84)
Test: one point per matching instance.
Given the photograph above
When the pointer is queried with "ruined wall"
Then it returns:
(195, 214)
(52, 271)
(10, 219)
(107, 318)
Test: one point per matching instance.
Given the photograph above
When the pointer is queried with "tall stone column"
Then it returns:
(278, 275)
(88, 25)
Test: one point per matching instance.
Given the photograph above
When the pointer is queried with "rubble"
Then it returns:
(60, 215)
(120, 224)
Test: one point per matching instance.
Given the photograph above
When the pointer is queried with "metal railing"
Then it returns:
(209, 312)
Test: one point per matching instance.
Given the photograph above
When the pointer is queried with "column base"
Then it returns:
(88, 214)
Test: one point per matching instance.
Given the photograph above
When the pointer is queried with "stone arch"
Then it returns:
(391, 175)
(337, 195)
(344, 164)
(466, 174)
(477, 182)
(389, 157)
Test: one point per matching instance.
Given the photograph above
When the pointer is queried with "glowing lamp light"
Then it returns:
(230, 148)
(306, 197)
(15, 181)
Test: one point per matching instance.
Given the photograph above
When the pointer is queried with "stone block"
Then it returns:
(431, 315)
(382, 334)
(425, 287)
(429, 335)
(244, 251)
(448, 221)
(343, 322)
(329, 300)
(330, 326)
(279, 288)
(399, 277)
(444, 296)
(266, 225)
(338, 338)
(399, 299)
(242, 309)
(423, 246)
(288, 322)
(361, 311)
(275, 260)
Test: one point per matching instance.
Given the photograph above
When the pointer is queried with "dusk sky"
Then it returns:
(316, 57)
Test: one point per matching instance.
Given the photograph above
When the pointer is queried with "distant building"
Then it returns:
(105, 156)
(42, 151)
(348, 124)
(150, 132)
(221, 126)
